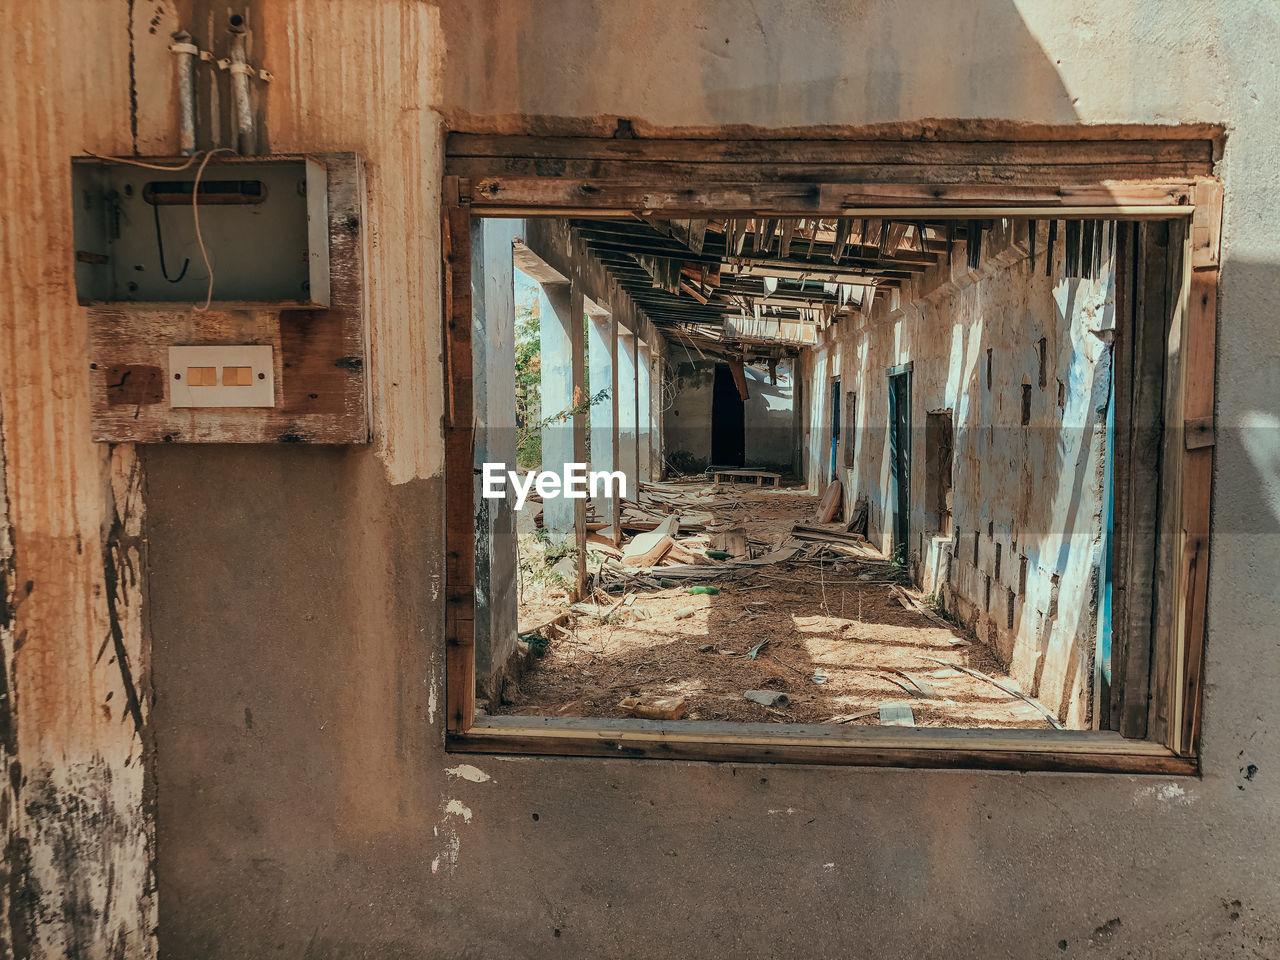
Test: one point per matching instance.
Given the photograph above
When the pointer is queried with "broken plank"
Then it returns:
(647, 549)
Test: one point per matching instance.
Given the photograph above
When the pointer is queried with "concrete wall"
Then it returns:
(305, 806)
(1030, 491)
(767, 415)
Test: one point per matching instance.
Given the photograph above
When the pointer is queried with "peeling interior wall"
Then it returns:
(1025, 493)
(767, 414)
(305, 806)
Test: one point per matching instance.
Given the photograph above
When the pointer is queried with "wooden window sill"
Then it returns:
(990, 749)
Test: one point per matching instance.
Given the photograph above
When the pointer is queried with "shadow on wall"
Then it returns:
(769, 65)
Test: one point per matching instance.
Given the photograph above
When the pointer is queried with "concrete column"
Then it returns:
(555, 313)
(602, 354)
(655, 418)
(643, 410)
(493, 362)
(628, 454)
(581, 453)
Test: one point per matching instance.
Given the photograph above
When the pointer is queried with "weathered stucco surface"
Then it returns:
(305, 807)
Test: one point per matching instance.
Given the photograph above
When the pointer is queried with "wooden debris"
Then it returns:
(741, 474)
(648, 548)
(659, 708)
(678, 554)
(529, 629)
(858, 522)
(850, 717)
(776, 556)
(732, 542)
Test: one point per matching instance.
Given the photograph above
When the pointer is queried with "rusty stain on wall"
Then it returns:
(74, 803)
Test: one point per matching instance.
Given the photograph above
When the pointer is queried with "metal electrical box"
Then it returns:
(263, 221)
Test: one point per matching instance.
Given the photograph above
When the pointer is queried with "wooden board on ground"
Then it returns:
(759, 475)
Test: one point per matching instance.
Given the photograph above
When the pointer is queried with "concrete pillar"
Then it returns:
(555, 313)
(581, 452)
(628, 454)
(493, 362)
(655, 418)
(564, 441)
(643, 410)
(602, 355)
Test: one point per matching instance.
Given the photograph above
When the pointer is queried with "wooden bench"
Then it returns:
(760, 476)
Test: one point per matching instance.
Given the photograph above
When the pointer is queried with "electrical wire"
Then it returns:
(164, 270)
(195, 213)
(140, 163)
(195, 204)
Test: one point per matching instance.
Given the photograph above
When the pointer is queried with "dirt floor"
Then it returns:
(825, 629)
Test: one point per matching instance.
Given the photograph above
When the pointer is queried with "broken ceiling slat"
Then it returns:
(974, 244)
(843, 226)
(784, 244)
(897, 230)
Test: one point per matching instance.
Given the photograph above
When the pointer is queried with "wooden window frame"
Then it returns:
(1130, 174)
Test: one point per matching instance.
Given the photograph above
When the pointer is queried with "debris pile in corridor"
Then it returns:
(736, 603)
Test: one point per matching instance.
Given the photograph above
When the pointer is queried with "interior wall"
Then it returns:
(1028, 492)
(305, 806)
(767, 414)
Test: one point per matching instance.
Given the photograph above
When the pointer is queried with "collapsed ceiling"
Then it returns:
(761, 286)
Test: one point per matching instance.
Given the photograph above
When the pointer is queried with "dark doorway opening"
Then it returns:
(835, 426)
(900, 456)
(728, 422)
(939, 460)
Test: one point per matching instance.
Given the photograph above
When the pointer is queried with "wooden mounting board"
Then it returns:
(320, 355)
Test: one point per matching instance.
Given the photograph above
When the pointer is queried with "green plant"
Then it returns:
(934, 602)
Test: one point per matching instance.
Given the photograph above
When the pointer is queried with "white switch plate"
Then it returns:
(261, 391)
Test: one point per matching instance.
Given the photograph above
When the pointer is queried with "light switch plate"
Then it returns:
(229, 389)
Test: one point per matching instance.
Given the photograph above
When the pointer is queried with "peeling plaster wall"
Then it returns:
(76, 729)
(1031, 491)
(305, 807)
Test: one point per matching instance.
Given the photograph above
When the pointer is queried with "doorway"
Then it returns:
(900, 456)
(728, 421)
(835, 427)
